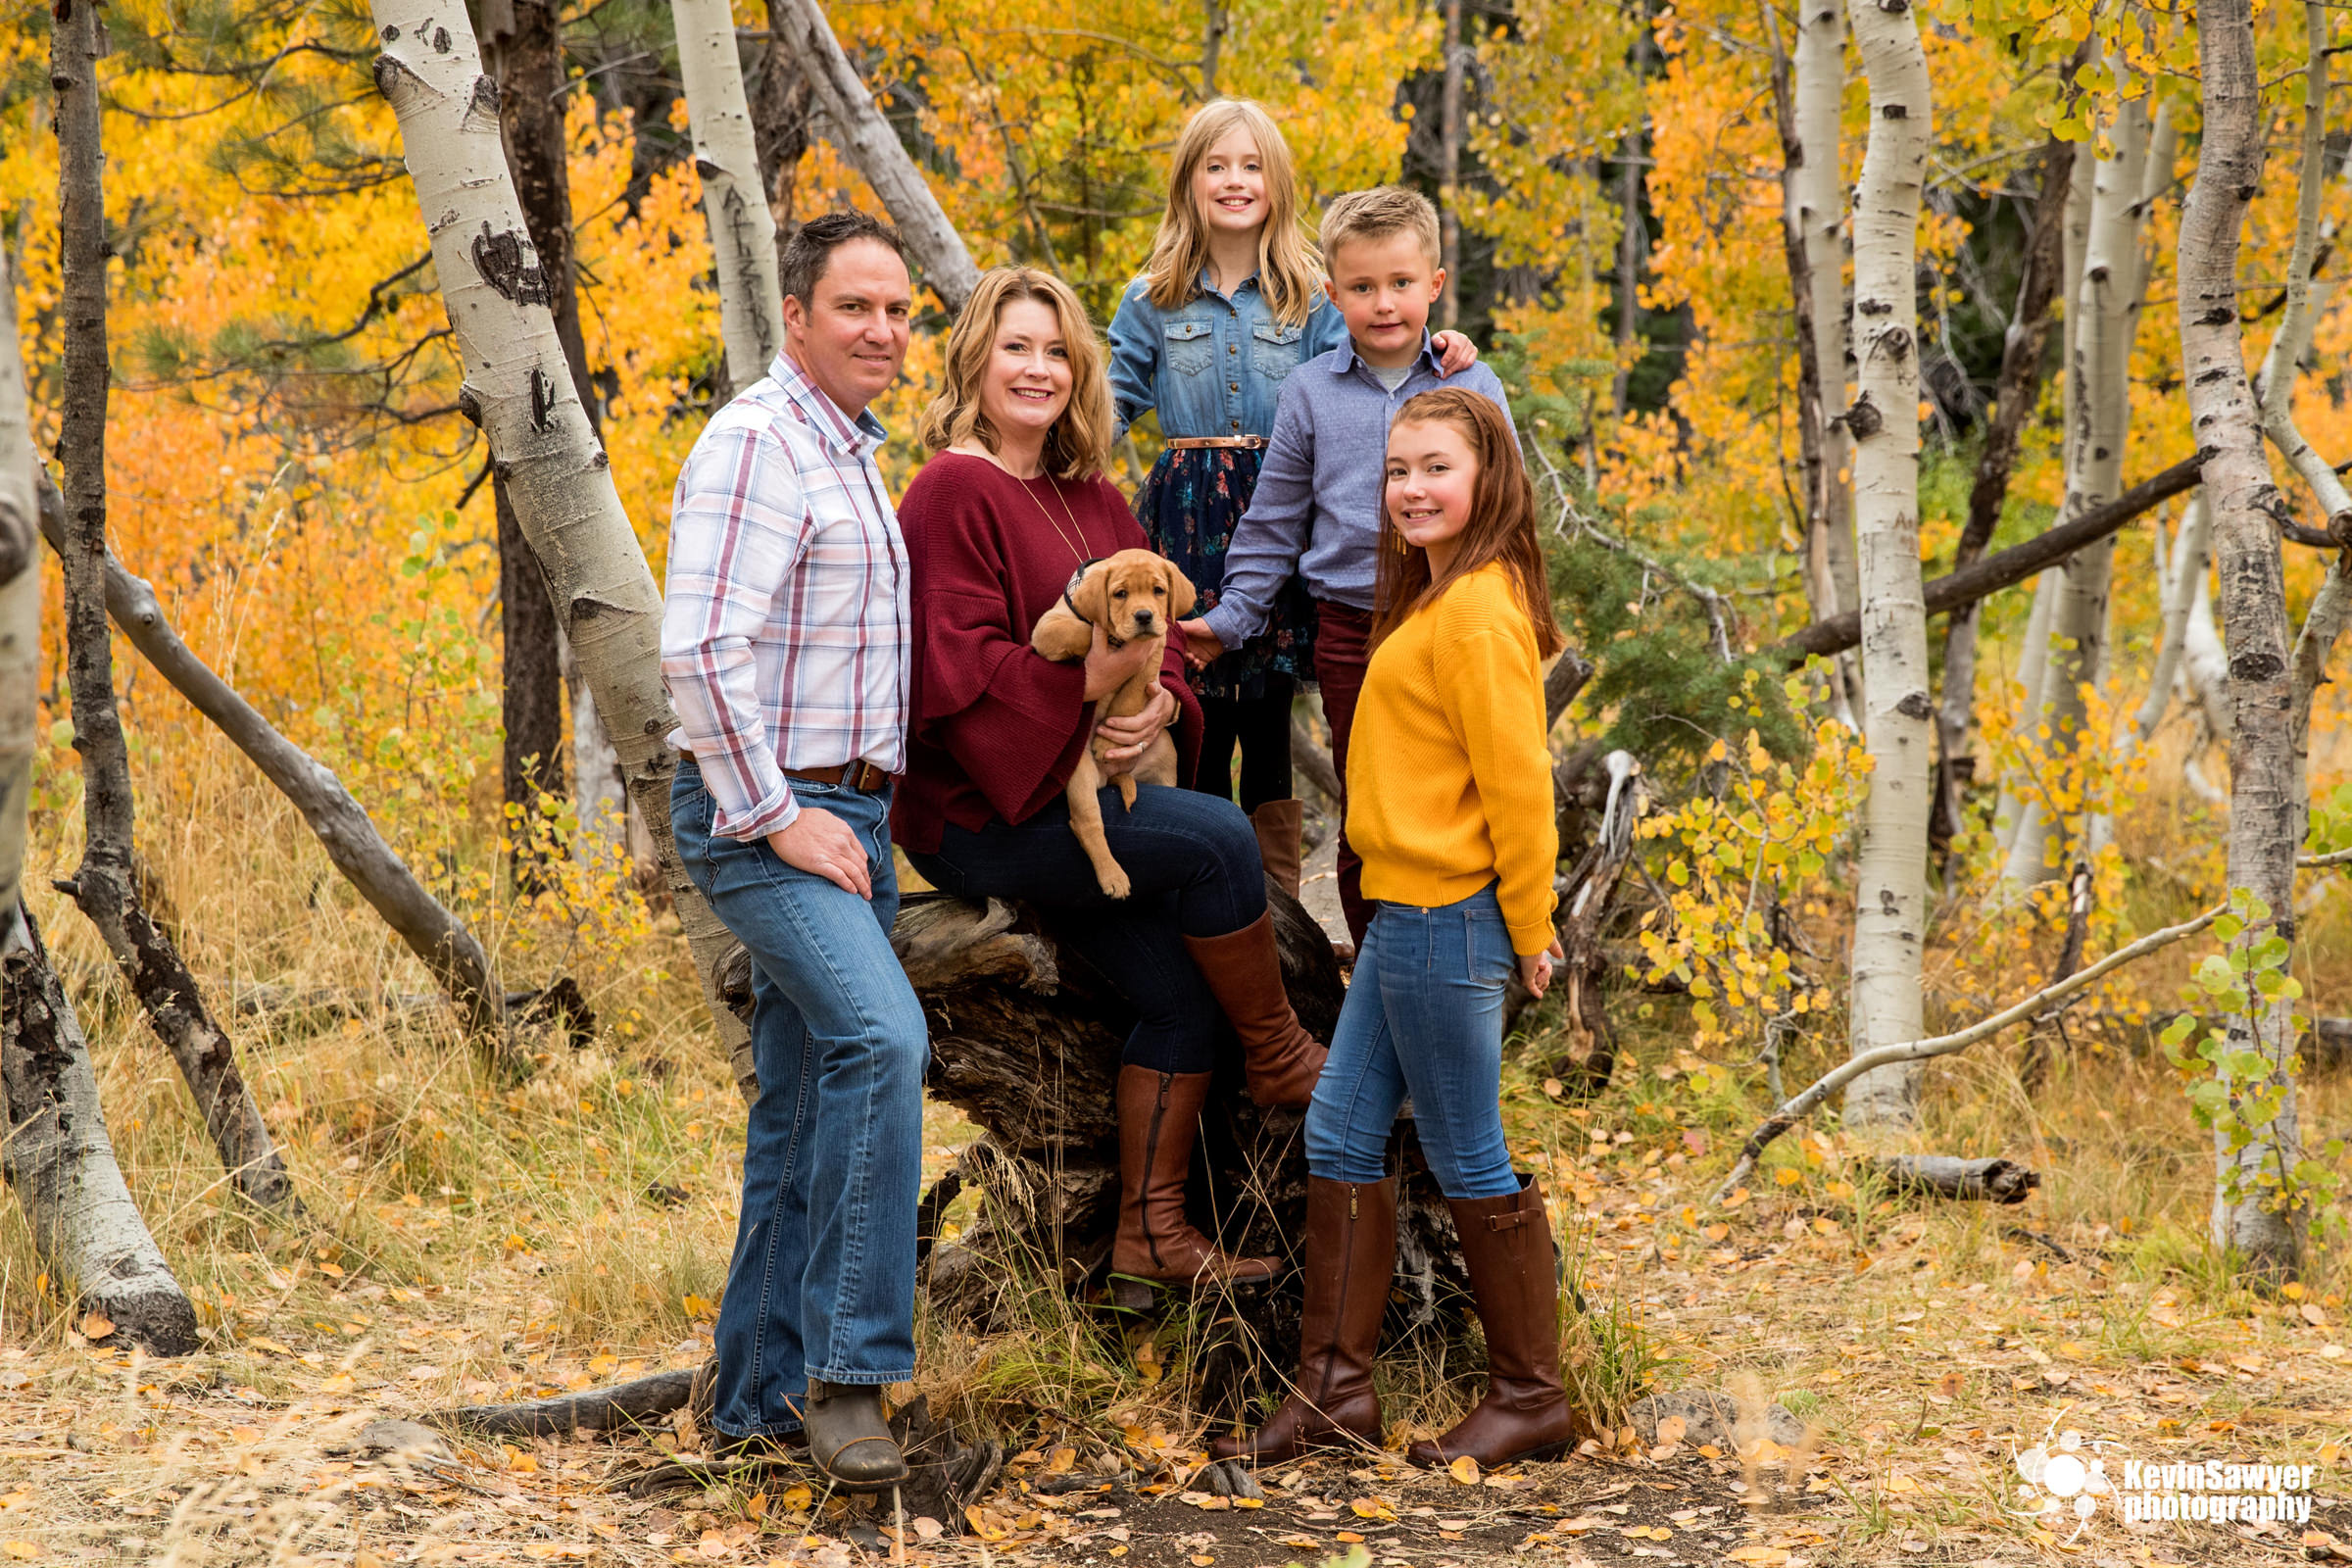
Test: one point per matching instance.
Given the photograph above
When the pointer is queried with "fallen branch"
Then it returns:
(1999, 1181)
(1831, 1082)
(636, 1403)
(1313, 763)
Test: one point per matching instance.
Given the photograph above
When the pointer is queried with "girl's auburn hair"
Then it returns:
(1289, 268)
(1501, 526)
(1078, 447)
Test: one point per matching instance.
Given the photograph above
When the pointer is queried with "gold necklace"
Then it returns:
(1077, 551)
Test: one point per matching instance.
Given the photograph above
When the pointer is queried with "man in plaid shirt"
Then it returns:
(784, 646)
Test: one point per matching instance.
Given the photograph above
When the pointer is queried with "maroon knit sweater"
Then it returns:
(995, 728)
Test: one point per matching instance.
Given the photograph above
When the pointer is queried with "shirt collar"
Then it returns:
(1209, 283)
(851, 438)
(1348, 359)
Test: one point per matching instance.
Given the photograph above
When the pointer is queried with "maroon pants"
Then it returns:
(1342, 648)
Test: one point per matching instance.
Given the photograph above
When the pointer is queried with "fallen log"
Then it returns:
(640, 1401)
(1997, 1181)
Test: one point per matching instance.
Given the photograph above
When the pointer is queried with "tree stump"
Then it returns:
(1025, 1041)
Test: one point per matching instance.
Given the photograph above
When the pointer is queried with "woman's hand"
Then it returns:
(1202, 648)
(1108, 668)
(1455, 353)
(1534, 969)
(1128, 737)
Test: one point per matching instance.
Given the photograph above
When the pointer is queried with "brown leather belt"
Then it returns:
(861, 777)
(1194, 443)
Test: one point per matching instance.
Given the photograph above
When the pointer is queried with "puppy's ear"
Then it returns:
(1090, 597)
(1180, 593)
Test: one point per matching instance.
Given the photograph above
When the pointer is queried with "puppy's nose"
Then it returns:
(1143, 618)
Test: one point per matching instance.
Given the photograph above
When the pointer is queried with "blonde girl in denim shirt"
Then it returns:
(1230, 303)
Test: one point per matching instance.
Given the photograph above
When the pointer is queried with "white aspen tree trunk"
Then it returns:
(598, 793)
(866, 138)
(20, 612)
(1890, 883)
(2306, 301)
(1816, 197)
(743, 230)
(2183, 575)
(55, 1154)
(2105, 311)
(2247, 507)
(519, 390)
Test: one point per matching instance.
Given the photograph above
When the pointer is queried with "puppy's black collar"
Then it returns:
(1071, 587)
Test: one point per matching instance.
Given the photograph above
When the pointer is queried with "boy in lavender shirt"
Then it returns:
(1316, 510)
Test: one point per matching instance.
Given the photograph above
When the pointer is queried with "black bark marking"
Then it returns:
(2219, 316)
(2213, 376)
(509, 264)
(386, 71)
(1895, 112)
(470, 404)
(440, 40)
(2256, 667)
(1888, 905)
(543, 401)
(1862, 420)
(391, 35)
(485, 96)
(1915, 704)
(1873, 307)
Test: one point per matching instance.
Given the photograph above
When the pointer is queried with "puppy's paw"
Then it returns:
(1114, 883)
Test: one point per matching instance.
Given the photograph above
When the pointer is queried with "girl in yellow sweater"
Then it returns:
(1449, 803)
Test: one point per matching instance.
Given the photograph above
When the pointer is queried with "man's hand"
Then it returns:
(1108, 668)
(822, 844)
(1534, 969)
(1200, 646)
(1129, 736)
(1455, 353)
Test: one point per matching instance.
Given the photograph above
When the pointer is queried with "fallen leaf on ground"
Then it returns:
(1464, 1470)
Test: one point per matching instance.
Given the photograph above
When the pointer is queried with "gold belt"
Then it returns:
(1194, 443)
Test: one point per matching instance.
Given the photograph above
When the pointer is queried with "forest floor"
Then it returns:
(468, 1241)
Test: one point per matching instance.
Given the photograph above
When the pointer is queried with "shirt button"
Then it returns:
(1233, 347)
(1232, 386)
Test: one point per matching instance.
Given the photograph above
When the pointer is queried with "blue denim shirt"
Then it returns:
(1316, 509)
(1215, 365)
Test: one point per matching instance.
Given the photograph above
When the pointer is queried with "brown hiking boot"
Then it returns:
(1279, 825)
(1159, 1116)
(1244, 974)
(1350, 1258)
(1507, 1241)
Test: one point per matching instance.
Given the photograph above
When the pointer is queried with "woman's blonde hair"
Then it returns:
(1288, 271)
(1078, 447)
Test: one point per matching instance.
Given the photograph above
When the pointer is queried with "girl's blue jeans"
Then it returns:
(822, 1281)
(1423, 1017)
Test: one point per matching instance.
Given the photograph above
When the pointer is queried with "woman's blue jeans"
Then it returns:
(1193, 859)
(1424, 1017)
(822, 1280)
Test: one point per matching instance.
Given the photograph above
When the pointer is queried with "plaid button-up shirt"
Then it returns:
(785, 633)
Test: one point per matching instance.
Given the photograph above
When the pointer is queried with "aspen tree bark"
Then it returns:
(1450, 171)
(867, 139)
(1816, 199)
(517, 389)
(1891, 871)
(2246, 512)
(104, 884)
(743, 232)
(781, 109)
(19, 611)
(441, 943)
(2105, 316)
(2184, 574)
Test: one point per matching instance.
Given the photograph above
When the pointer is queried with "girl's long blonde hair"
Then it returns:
(1078, 447)
(1288, 270)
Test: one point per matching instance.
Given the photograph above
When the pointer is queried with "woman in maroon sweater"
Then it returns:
(1013, 503)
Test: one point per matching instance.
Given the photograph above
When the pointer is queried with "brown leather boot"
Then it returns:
(1244, 974)
(1159, 1116)
(1279, 825)
(1350, 1258)
(1507, 1241)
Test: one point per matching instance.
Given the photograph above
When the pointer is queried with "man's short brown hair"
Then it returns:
(1377, 213)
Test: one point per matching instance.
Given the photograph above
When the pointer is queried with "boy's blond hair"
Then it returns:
(1377, 213)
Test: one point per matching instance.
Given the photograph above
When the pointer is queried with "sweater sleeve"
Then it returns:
(1012, 718)
(1488, 680)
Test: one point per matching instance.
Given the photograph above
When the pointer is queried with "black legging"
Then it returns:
(1261, 727)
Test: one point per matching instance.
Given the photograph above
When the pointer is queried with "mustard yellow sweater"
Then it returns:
(1448, 776)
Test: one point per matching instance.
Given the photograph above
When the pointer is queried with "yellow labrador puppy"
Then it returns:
(1135, 597)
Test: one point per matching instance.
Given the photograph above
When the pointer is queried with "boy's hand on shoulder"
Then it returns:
(1202, 648)
(1455, 353)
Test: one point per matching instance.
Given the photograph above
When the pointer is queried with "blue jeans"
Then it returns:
(822, 1281)
(1193, 859)
(1423, 1016)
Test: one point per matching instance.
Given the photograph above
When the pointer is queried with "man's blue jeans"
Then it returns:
(1423, 1016)
(822, 1281)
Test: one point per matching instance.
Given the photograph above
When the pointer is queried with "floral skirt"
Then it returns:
(1189, 506)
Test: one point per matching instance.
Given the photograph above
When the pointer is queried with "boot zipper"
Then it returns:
(1160, 1108)
(1346, 1268)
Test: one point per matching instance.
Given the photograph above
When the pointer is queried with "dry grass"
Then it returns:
(469, 1239)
